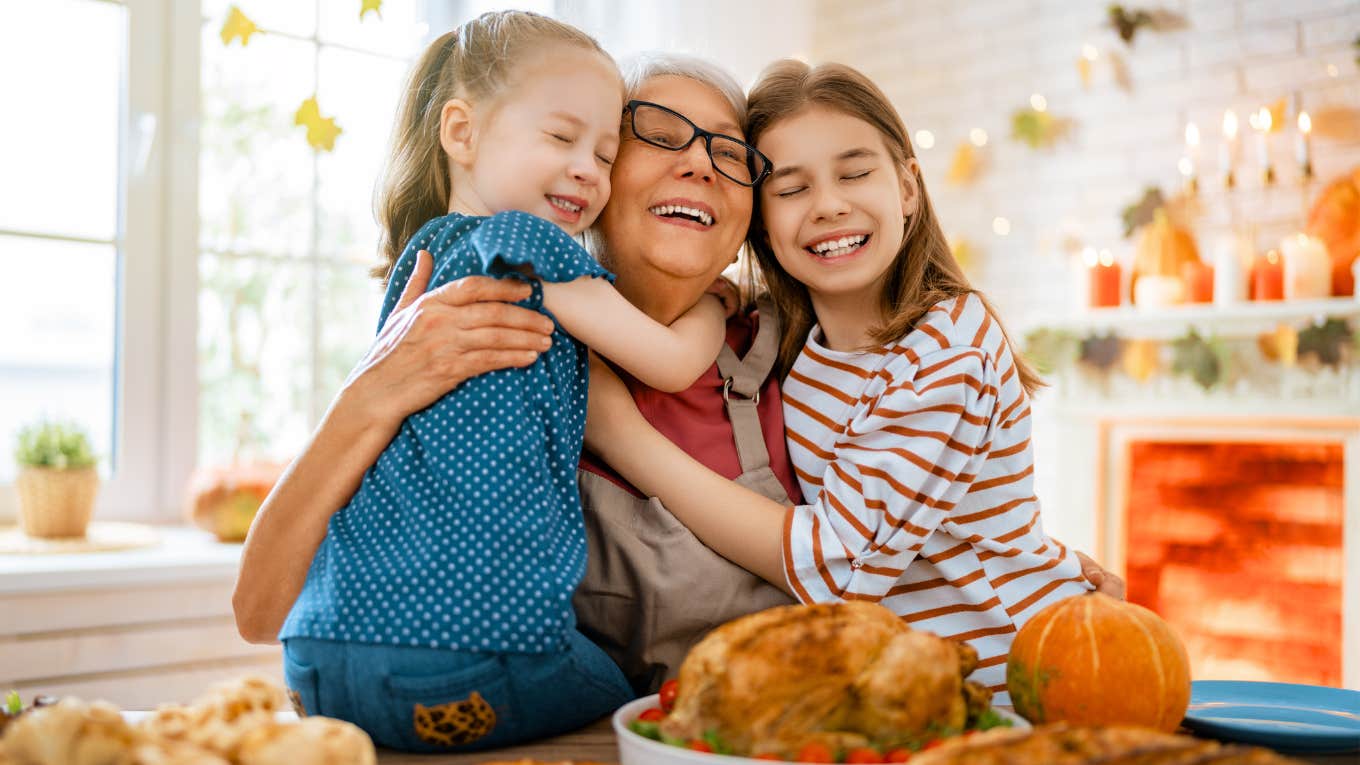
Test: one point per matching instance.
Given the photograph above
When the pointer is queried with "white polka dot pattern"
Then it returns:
(467, 533)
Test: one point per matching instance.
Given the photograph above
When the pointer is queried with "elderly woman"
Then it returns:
(652, 588)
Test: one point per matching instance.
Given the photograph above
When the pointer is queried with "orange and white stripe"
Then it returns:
(917, 460)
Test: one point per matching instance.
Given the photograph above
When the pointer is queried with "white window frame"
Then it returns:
(155, 375)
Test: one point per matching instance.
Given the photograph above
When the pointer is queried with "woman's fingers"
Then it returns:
(480, 289)
(420, 278)
(481, 362)
(500, 338)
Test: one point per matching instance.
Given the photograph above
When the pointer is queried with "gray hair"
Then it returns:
(640, 68)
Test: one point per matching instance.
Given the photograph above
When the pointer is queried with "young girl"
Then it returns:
(907, 413)
(437, 610)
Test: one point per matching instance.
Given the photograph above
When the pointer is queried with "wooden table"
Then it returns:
(595, 743)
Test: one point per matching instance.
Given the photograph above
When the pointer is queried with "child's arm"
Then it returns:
(669, 359)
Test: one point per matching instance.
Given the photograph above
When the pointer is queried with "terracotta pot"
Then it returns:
(54, 502)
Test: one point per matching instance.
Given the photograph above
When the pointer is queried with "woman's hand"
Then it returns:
(610, 410)
(434, 341)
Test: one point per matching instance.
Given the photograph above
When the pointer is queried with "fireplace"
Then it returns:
(1240, 546)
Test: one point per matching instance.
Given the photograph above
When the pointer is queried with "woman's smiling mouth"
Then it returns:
(684, 212)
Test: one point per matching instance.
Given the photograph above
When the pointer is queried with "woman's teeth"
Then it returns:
(834, 248)
(563, 204)
(688, 212)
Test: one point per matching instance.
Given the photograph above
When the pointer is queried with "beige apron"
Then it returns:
(651, 588)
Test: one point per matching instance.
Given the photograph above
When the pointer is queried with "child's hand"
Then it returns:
(727, 293)
(1104, 581)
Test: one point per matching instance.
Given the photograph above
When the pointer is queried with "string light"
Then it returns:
(1038, 102)
(1001, 226)
(925, 139)
(978, 136)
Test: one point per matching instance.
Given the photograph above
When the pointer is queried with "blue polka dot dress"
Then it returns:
(467, 533)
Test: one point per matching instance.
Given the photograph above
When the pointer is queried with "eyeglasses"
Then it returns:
(658, 126)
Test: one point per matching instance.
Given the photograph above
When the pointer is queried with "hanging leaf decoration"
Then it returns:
(1281, 345)
(964, 252)
(321, 131)
(237, 26)
(1329, 342)
(1140, 213)
(1050, 349)
(1101, 351)
(1084, 68)
(1120, 68)
(1038, 129)
(1141, 359)
(370, 5)
(1127, 22)
(1203, 360)
(963, 167)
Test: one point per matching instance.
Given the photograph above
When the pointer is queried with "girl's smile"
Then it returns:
(838, 246)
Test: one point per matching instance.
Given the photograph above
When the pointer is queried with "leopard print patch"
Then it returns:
(296, 699)
(455, 723)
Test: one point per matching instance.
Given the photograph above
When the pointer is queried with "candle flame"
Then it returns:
(1264, 120)
(1192, 134)
(1186, 167)
(1305, 123)
(1089, 255)
(1106, 258)
(1272, 257)
(1230, 124)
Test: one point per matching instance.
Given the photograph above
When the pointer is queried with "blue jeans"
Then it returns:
(437, 700)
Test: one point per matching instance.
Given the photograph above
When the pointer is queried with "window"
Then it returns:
(81, 235)
(287, 234)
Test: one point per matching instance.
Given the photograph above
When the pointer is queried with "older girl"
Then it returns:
(907, 414)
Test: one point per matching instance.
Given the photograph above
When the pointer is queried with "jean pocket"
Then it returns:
(302, 681)
(468, 707)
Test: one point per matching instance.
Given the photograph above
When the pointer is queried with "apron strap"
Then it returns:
(742, 381)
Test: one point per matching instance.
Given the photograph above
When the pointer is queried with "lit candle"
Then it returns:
(1232, 256)
(1307, 268)
(1305, 148)
(1267, 277)
(1227, 151)
(1104, 276)
(1262, 123)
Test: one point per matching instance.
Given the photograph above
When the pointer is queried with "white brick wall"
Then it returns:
(951, 65)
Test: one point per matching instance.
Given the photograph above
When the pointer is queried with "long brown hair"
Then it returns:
(924, 271)
(476, 61)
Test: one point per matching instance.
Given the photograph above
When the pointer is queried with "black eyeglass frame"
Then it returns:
(766, 168)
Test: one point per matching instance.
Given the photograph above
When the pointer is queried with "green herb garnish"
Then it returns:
(13, 704)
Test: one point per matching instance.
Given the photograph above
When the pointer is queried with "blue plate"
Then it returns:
(1295, 718)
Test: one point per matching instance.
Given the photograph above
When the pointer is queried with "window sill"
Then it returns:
(184, 554)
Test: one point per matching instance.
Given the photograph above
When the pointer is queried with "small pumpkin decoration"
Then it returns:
(1095, 660)
(1335, 219)
(223, 500)
(1164, 250)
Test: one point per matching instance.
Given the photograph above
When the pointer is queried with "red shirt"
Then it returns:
(695, 419)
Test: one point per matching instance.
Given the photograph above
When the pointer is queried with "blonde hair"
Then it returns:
(476, 61)
(924, 271)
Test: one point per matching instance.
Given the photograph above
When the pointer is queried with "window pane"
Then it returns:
(255, 166)
(57, 307)
(254, 358)
(350, 301)
(294, 17)
(362, 91)
(62, 63)
(399, 32)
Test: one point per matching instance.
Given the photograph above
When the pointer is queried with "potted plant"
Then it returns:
(57, 480)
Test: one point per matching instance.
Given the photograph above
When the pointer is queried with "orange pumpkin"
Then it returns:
(224, 500)
(1094, 660)
(1164, 249)
(1335, 220)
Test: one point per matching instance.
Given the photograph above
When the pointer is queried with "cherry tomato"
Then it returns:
(699, 745)
(864, 754)
(669, 690)
(898, 755)
(652, 715)
(815, 752)
(768, 756)
(931, 744)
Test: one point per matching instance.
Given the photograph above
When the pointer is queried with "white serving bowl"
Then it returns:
(640, 750)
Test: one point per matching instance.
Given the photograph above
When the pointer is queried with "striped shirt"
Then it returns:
(917, 461)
